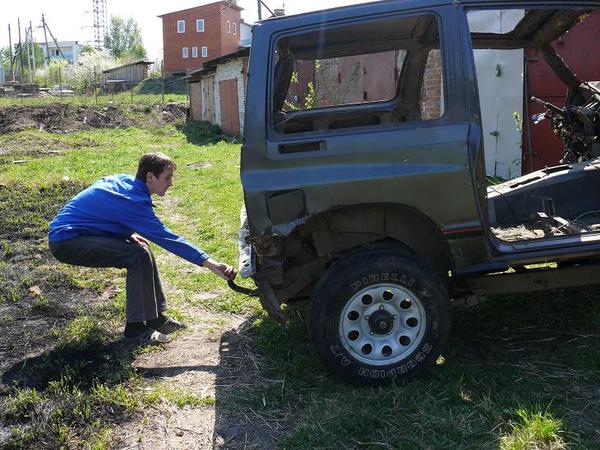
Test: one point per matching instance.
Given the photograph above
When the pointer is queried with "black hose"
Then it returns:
(242, 290)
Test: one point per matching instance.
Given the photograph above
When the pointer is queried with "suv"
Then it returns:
(364, 175)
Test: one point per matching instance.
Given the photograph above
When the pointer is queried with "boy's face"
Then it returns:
(160, 185)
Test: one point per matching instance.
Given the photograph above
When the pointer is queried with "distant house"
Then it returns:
(2, 80)
(70, 50)
(218, 92)
(245, 34)
(196, 35)
(124, 77)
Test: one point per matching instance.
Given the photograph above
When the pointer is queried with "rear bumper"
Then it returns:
(246, 261)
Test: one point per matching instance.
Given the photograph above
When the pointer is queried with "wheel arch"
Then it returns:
(343, 229)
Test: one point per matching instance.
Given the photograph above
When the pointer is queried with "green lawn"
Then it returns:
(122, 98)
(521, 372)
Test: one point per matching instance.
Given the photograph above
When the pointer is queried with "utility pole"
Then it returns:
(46, 27)
(32, 49)
(20, 51)
(28, 46)
(47, 60)
(259, 9)
(12, 61)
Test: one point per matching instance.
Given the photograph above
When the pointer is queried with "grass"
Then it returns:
(521, 372)
(177, 396)
(534, 428)
(122, 98)
(506, 358)
(70, 394)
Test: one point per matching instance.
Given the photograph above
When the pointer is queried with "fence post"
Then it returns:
(60, 82)
(96, 85)
(162, 82)
(130, 85)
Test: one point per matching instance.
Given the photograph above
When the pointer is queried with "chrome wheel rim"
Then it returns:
(382, 324)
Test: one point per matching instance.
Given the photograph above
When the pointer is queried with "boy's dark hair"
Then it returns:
(155, 162)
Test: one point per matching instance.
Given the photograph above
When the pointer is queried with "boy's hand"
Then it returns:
(137, 239)
(223, 270)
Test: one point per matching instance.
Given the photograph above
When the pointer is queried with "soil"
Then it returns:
(208, 361)
(65, 118)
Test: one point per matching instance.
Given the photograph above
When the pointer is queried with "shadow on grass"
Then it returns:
(201, 133)
(91, 363)
(526, 364)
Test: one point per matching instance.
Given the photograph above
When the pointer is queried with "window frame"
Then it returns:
(198, 22)
(205, 52)
(181, 29)
(194, 52)
(234, 27)
(444, 97)
(228, 26)
(185, 52)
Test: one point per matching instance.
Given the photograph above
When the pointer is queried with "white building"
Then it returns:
(70, 50)
(2, 80)
(500, 81)
(245, 35)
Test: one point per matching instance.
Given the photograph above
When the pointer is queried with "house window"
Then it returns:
(234, 28)
(200, 25)
(185, 52)
(228, 26)
(204, 52)
(194, 52)
(181, 26)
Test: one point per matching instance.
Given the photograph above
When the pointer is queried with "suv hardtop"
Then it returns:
(365, 183)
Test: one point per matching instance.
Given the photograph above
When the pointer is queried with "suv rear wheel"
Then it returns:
(378, 315)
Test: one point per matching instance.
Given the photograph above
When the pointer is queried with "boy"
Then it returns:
(110, 223)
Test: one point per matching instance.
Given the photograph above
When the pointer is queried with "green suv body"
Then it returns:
(365, 185)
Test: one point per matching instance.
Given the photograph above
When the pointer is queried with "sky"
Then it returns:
(72, 20)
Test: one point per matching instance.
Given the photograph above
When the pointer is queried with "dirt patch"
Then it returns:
(207, 359)
(66, 118)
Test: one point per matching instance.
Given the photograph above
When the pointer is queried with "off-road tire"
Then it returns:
(409, 311)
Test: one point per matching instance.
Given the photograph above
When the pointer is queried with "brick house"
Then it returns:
(196, 35)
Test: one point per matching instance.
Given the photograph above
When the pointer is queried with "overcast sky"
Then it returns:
(72, 20)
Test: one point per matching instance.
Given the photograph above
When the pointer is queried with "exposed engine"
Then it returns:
(577, 126)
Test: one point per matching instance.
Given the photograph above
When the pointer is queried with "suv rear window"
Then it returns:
(368, 73)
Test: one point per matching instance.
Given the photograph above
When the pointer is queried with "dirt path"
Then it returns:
(206, 360)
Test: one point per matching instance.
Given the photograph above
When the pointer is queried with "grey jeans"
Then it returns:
(144, 294)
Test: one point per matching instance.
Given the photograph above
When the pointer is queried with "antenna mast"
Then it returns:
(100, 13)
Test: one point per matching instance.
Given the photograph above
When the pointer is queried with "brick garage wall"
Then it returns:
(431, 96)
(227, 71)
(195, 90)
(208, 99)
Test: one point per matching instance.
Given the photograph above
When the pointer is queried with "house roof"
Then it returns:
(211, 66)
(51, 44)
(225, 3)
(134, 63)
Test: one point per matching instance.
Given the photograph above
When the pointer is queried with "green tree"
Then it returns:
(58, 73)
(87, 48)
(5, 61)
(123, 39)
(87, 73)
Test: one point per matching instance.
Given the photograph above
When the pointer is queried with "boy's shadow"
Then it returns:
(107, 362)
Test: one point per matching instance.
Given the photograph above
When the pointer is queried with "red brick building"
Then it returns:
(196, 35)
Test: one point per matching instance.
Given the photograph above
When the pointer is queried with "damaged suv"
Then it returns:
(364, 174)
